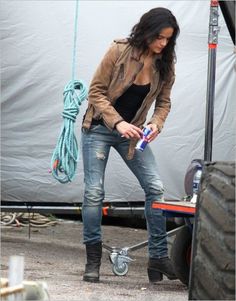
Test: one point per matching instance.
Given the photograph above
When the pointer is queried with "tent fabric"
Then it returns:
(37, 44)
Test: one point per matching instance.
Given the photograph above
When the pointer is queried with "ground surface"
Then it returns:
(56, 255)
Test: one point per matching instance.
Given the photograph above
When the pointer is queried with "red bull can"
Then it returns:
(143, 142)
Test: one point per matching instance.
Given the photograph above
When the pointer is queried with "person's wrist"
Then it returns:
(157, 127)
(118, 123)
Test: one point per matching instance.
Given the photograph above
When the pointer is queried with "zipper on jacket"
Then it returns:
(121, 72)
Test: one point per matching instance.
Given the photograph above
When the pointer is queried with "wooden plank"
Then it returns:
(7, 291)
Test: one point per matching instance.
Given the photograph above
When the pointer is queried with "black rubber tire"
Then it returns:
(212, 272)
(181, 253)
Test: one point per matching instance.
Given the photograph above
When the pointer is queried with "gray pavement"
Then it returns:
(56, 255)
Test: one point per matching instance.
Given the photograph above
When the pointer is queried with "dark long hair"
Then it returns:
(148, 29)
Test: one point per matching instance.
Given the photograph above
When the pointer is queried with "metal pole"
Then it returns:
(210, 97)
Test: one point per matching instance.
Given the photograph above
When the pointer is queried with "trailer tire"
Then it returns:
(212, 272)
(181, 253)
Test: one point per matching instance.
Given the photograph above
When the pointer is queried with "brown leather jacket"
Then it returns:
(117, 72)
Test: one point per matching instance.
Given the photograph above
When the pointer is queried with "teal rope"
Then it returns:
(65, 156)
(75, 39)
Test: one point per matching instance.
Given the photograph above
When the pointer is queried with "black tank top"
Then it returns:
(131, 100)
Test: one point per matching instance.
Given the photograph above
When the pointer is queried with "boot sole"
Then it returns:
(91, 279)
(157, 276)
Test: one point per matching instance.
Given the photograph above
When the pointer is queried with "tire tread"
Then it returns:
(212, 273)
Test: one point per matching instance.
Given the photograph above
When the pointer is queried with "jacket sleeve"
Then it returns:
(163, 102)
(99, 86)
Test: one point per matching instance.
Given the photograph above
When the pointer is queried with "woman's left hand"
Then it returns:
(154, 132)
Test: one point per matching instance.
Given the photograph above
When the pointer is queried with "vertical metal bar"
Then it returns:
(210, 105)
(210, 97)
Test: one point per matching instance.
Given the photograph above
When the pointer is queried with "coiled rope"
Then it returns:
(25, 219)
(66, 155)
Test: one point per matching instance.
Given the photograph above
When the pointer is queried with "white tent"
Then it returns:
(37, 44)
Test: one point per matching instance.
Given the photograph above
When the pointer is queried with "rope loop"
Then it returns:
(65, 156)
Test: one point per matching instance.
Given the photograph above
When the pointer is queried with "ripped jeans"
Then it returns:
(96, 144)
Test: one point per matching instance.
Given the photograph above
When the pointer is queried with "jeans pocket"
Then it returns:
(94, 128)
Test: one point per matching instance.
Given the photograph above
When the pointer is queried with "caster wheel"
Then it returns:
(120, 270)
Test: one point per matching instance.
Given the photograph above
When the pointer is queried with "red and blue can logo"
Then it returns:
(143, 142)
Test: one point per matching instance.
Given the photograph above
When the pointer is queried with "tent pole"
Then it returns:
(212, 46)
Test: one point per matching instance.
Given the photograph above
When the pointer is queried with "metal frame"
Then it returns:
(108, 210)
(120, 258)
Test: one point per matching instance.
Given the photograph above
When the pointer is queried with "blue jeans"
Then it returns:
(96, 144)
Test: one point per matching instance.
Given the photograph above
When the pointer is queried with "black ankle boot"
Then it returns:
(94, 255)
(159, 266)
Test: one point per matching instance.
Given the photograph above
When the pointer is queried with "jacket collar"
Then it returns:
(136, 54)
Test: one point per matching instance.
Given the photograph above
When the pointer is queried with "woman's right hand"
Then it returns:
(129, 130)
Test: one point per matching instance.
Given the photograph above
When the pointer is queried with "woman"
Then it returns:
(133, 74)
